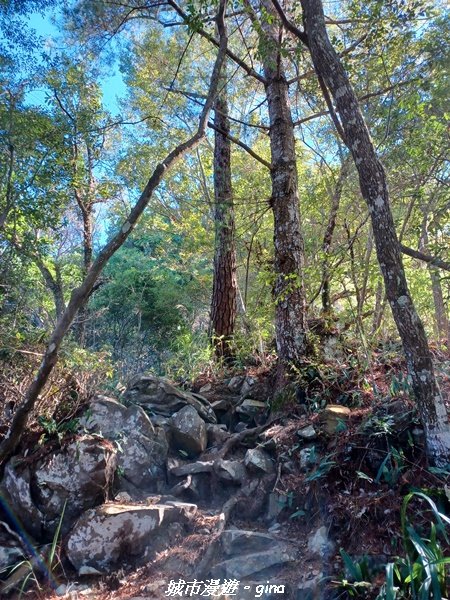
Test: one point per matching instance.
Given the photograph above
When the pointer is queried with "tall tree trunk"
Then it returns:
(54, 284)
(223, 302)
(86, 215)
(9, 194)
(289, 292)
(374, 189)
(85, 200)
(328, 238)
(87, 238)
(440, 313)
(378, 312)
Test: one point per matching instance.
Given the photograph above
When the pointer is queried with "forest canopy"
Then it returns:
(188, 185)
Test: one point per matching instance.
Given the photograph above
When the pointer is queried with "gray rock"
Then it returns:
(11, 549)
(236, 542)
(310, 589)
(223, 404)
(77, 476)
(258, 461)
(217, 434)
(235, 384)
(187, 508)
(319, 543)
(248, 384)
(241, 567)
(158, 420)
(143, 448)
(85, 570)
(157, 395)
(255, 493)
(307, 457)
(230, 470)
(205, 466)
(275, 505)
(80, 474)
(189, 431)
(123, 498)
(111, 535)
(240, 427)
(252, 408)
(16, 489)
(307, 433)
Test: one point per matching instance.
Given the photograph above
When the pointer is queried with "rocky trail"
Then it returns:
(173, 493)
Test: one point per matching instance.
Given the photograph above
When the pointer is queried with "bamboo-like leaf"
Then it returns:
(391, 592)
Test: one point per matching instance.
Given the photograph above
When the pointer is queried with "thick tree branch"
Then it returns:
(432, 260)
(238, 142)
(296, 31)
(331, 111)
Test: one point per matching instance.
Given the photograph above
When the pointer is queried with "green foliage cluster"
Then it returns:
(152, 307)
(421, 574)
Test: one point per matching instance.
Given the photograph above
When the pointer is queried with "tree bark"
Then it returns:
(54, 285)
(223, 302)
(374, 189)
(441, 318)
(85, 203)
(380, 303)
(328, 238)
(432, 260)
(288, 290)
(81, 294)
(9, 192)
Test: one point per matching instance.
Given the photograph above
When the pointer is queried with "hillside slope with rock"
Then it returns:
(172, 492)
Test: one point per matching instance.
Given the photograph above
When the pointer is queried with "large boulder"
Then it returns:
(16, 492)
(232, 471)
(76, 476)
(255, 496)
(256, 563)
(142, 447)
(157, 396)
(112, 536)
(236, 542)
(188, 431)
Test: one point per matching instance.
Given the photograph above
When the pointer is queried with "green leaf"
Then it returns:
(362, 475)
